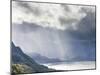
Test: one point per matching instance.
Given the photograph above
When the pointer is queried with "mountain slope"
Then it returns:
(43, 59)
(21, 62)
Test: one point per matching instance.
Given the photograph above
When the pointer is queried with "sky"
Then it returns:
(54, 30)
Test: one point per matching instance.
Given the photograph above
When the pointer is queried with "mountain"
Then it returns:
(43, 59)
(22, 63)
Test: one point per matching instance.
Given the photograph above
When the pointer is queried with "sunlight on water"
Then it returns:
(72, 65)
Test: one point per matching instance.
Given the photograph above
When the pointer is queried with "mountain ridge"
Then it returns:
(43, 59)
(21, 61)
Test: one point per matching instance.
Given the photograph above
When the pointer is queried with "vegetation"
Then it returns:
(21, 68)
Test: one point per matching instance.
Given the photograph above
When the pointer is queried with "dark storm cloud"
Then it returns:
(82, 36)
(83, 50)
(86, 28)
(87, 24)
(29, 9)
(25, 27)
(63, 21)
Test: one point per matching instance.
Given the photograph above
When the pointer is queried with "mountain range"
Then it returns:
(23, 64)
(43, 59)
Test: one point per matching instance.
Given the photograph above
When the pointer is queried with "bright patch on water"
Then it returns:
(72, 65)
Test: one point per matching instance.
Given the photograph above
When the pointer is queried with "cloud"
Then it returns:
(67, 30)
(25, 27)
(86, 28)
(66, 7)
(56, 16)
(66, 45)
(88, 23)
(29, 8)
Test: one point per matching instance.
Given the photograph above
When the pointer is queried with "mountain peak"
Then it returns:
(15, 49)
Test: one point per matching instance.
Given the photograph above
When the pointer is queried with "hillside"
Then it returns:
(22, 63)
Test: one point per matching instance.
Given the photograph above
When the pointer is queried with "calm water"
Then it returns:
(72, 65)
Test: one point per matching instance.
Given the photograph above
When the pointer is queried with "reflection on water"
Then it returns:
(72, 65)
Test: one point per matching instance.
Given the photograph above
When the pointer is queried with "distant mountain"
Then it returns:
(43, 59)
(22, 63)
(81, 58)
